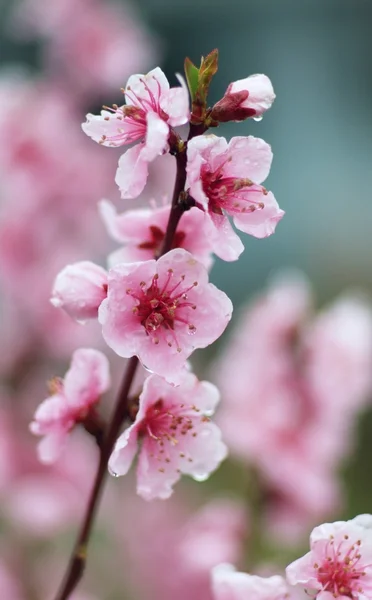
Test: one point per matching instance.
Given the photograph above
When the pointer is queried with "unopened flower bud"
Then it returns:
(79, 289)
(249, 97)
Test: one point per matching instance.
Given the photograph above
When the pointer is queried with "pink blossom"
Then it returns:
(71, 400)
(142, 233)
(162, 310)
(176, 436)
(228, 584)
(338, 564)
(224, 178)
(79, 289)
(151, 108)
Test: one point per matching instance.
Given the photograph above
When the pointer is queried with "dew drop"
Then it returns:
(258, 118)
(200, 477)
(112, 472)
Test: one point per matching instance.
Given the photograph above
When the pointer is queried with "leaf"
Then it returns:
(192, 77)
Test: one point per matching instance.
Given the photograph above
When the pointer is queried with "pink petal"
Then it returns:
(132, 172)
(154, 481)
(124, 452)
(261, 223)
(99, 127)
(139, 86)
(119, 325)
(51, 446)
(87, 378)
(156, 142)
(79, 289)
(225, 242)
(176, 104)
(250, 157)
(131, 225)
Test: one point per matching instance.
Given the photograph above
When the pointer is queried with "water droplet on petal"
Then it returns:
(200, 477)
(258, 118)
(112, 472)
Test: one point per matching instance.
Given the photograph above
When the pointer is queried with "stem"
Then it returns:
(78, 557)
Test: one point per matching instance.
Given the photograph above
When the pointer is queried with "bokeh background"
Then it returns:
(61, 60)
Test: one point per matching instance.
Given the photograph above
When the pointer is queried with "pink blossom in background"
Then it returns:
(228, 584)
(225, 179)
(10, 586)
(339, 354)
(186, 544)
(338, 564)
(43, 500)
(48, 181)
(90, 47)
(151, 108)
(71, 400)
(79, 289)
(176, 436)
(280, 410)
(163, 310)
(7, 447)
(142, 233)
(249, 97)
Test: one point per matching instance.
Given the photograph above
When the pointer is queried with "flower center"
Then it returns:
(340, 575)
(168, 426)
(161, 308)
(231, 194)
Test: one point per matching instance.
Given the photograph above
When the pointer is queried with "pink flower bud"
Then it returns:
(79, 289)
(249, 97)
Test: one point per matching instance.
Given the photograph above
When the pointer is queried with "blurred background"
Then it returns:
(62, 59)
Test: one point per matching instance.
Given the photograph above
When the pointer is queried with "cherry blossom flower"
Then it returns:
(162, 310)
(79, 289)
(176, 435)
(228, 584)
(151, 108)
(224, 179)
(142, 232)
(71, 400)
(338, 564)
(249, 97)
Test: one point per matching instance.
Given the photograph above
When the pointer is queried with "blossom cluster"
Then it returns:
(155, 301)
(294, 384)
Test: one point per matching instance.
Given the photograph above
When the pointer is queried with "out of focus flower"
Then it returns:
(186, 545)
(90, 47)
(292, 388)
(10, 587)
(142, 232)
(151, 108)
(162, 310)
(71, 400)
(228, 584)
(249, 97)
(48, 183)
(338, 564)
(176, 436)
(225, 179)
(79, 289)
